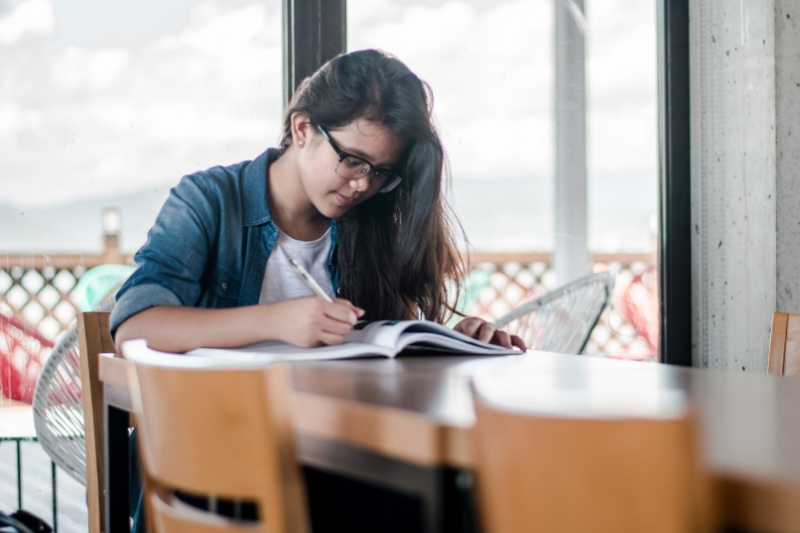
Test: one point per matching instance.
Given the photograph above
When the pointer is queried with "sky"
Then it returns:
(104, 97)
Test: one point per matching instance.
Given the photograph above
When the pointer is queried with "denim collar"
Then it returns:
(256, 192)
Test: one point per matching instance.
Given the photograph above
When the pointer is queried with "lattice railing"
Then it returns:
(40, 297)
(628, 328)
(40, 290)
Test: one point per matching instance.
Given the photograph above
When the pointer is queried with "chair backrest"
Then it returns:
(784, 345)
(94, 338)
(562, 320)
(58, 407)
(539, 473)
(221, 433)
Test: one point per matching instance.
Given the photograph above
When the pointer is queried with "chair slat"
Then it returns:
(94, 338)
(777, 343)
(791, 356)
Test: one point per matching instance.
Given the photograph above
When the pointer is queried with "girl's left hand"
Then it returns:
(478, 328)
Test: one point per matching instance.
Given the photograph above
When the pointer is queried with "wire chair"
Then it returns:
(23, 351)
(561, 320)
(58, 405)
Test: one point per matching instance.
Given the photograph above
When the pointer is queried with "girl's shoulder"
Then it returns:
(232, 185)
(217, 178)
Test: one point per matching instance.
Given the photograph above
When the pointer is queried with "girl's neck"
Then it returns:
(291, 209)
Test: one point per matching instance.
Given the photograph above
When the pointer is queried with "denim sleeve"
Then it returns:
(171, 264)
(136, 300)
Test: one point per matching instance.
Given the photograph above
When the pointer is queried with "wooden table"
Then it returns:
(404, 425)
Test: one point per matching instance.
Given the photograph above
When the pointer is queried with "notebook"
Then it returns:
(381, 338)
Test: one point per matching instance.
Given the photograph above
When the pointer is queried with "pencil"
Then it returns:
(307, 279)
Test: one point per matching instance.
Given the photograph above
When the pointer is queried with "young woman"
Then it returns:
(354, 193)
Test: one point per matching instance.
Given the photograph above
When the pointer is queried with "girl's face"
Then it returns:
(330, 193)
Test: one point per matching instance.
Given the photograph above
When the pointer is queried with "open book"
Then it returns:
(382, 338)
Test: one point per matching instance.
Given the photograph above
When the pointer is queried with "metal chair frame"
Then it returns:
(605, 279)
(58, 407)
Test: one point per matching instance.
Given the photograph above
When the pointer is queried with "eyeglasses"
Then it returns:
(352, 167)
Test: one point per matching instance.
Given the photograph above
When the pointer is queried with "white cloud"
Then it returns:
(34, 17)
(105, 67)
(99, 120)
(621, 87)
(107, 120)
(491, 71)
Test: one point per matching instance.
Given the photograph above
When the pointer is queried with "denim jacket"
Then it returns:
(210, 243)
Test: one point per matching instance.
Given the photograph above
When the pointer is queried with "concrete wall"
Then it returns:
(733, 80)
(787, 103)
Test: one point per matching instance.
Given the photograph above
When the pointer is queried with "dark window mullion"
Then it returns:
(674, 245)
(314, 31)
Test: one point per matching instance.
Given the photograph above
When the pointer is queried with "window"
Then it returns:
(491, 64)
(109, 104)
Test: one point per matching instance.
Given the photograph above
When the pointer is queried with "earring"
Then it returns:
(301, 143)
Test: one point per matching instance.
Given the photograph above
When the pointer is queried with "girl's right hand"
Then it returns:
(311, 321)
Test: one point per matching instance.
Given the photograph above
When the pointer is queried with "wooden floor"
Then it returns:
(36, 488)
(37, 496)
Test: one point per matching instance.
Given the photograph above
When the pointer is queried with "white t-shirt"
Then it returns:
(280, 281)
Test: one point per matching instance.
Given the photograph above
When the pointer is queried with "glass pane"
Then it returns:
(490, 66)
(622, 125)
(622, 161)
(108, 104)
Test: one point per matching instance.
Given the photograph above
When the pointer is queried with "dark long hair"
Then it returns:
(396, 251)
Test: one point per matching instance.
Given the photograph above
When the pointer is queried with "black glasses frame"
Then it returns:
(392, 179)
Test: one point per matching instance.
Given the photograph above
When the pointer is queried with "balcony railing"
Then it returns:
(40, 289)
(627, 328)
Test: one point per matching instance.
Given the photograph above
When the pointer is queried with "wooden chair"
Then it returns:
(784, 345)
(539, 473)
(216, 433)
(94, 338)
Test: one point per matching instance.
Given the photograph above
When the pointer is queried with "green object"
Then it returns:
(98, 283)
(472, 283)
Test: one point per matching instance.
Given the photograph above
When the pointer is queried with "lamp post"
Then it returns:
(112, 226)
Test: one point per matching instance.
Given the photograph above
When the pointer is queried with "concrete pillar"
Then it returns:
(571, 256)
(787, 128)
(745, 71)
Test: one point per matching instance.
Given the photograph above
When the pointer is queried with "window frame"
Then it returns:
(675, 238)
(315, 31)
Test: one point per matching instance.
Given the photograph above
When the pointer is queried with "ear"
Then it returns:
(302, 129)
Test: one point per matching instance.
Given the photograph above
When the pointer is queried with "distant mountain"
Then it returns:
(77, 226)
(501, 214)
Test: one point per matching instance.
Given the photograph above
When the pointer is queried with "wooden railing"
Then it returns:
(38, 288)
(109, 255)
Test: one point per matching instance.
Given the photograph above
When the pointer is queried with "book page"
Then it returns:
(437, 341)
(385, 333)
(271, 351)
(399, 334)
(379, 338)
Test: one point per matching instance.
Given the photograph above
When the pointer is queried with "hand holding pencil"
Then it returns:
(323, 320)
